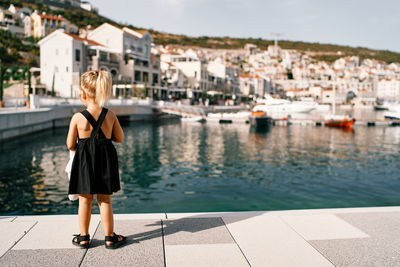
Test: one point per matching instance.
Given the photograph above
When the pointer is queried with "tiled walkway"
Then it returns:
(331, 237)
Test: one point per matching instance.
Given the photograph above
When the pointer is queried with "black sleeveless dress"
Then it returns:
(95, 165)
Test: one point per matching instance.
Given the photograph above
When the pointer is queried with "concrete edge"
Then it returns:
(177, 215)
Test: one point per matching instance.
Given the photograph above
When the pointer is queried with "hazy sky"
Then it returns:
(366, 23)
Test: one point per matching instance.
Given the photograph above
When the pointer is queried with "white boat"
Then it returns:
(393, 113)
(282, 108)
(229, 117)
(386, 105)
(192, 118)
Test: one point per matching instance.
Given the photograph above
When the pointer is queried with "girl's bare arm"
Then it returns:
(72, 133)
(117, 132)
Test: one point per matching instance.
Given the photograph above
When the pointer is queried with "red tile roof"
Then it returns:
(76, 37)
(46, 16)
(142, 32)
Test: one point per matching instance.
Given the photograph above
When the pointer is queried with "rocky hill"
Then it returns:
(327, 52)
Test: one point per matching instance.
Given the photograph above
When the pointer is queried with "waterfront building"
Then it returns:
(223, 77)
(194, 69)
(64, 57)
(252, 84)
(172, 76)
(134, 48)
(388, 89)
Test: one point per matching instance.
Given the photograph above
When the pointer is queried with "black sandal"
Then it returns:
(79, 238)
(114, 238)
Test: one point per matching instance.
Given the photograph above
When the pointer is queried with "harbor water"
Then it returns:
(193, 167)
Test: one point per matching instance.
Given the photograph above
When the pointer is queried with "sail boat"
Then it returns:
(333, 120)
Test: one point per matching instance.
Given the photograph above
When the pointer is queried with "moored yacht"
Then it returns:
(282, 108)
(393, 112)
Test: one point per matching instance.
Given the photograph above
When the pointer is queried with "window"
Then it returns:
(66, 69)
(92, 52)
(103, 56)
(145, 77)
(155, 78)
(77, 55)
(137, 76)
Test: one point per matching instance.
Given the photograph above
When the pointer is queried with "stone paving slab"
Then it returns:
(385, 226)
(11, 232)
(139, 216)
(322, 226)
(37, 218)
(204, 255)
(53, 234)
(7, 218)
(381, 249)
(214, 214)
(267, 240)
(43, 257)
(144, 245)
(334, 211)
(187, 231)
(281, 212)
(261, 238)
(358, 252)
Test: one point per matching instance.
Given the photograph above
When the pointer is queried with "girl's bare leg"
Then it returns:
(106, 214)
(84, 214)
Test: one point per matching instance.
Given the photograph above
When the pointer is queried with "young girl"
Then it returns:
(95, 165)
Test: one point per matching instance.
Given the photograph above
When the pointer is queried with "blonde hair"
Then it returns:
(97, 85)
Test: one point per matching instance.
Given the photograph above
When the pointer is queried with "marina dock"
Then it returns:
(326, 237)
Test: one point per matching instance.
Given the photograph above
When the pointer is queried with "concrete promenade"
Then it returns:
(327, 237)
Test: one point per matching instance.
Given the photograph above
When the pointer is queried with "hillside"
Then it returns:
(327, 52)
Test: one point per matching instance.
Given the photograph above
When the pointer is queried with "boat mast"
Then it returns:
(334, 100)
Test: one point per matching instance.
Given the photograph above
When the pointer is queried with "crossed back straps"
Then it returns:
(96, 124)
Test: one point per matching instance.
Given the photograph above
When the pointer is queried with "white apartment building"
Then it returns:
(252, 84)
(64, 57)
(41, 24)
(136, 64)
(347, 62)
(223, 77)
(388, 89)
(12, 20)
(172, 76)
(192, 67)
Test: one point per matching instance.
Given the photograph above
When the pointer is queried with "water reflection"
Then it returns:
(181, 167)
